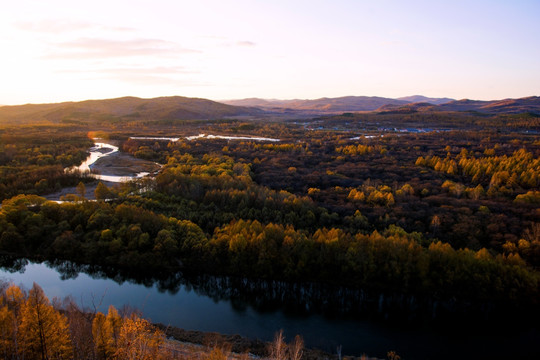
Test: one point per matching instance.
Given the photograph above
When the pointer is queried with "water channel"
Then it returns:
(219, 305)
(258, 310)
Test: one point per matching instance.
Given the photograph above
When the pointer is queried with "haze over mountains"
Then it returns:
(529, 104)
(424, 99)
(125, 108)
(346, 103)
(184, 108)
(404, 104)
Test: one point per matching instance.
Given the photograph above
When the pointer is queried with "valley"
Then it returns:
(393, 227)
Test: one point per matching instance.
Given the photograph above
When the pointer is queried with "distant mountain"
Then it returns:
(257, 102)
(322, 105)
(184, 108)
(126, 108)
(509, 106)
(424, 99)
(407, 108)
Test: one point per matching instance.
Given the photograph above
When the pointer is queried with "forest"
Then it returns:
(33, 327)
(437, 205)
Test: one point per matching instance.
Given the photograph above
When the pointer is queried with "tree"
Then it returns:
(7, 340)
(10, 319)
(114, 322)
(102, 333)
(296, 348)
(139, 340)
(102, 192)
(81, 190)
(44, 331)
(278, 348)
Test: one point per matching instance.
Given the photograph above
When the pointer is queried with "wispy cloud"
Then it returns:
(245, 43)
(84, 48)
(159, 75)
(134, 70)
(52, 26)
(144, 79)
(58, 26)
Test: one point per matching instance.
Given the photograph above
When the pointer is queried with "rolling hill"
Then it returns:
(334, 105)
(125, 108)
(133, 109)
(322, 105)
(424, 99)
(509, 106)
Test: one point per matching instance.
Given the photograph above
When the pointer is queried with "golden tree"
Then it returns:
(102, 333)
(12, 302)
(139, 340)
(44, 331)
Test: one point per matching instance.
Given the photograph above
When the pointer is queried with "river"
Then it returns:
(258, 310)
(220, 305)
(117, 171)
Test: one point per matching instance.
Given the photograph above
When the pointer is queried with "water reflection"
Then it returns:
(360, 320)
(296, 299)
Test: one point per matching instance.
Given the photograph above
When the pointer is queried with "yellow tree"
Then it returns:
(12, 301)
(102, 333)
(114, 323)
(7, 348)
(139, 340)
(81, 190)
(44, 331)
(102, 192)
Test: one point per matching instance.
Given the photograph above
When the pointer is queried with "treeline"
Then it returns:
(33, 328)
(33, 162)
(503, 174)
(212, 190)
(214, 182)
(393, 260)
(134, 238)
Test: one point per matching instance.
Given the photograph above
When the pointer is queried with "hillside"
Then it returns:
(407, 108)
(322, 105)
(334, 105)
(509, 106)
(123, 109)
(133, 109)
(424, 99)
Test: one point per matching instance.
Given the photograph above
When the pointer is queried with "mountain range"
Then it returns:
(125, 108)
(184, 108)
(407, 104)
(529, 104)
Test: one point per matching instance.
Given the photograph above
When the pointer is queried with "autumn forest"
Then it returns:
(435, 205)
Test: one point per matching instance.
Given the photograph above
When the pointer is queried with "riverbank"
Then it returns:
(110, 168)
(120, 165)
(204, 341)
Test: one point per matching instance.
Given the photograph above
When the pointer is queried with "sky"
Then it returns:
(71, 50)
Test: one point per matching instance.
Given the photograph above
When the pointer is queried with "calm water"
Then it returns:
(211, 306)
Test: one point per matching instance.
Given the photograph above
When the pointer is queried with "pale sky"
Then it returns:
(70, 50)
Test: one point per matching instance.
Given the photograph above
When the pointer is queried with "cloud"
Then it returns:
(245, 43)
(159, 75)
(153, 70)
(135, 70)
(58, 26)
(145, 79)
(52, 26)
(84, 48)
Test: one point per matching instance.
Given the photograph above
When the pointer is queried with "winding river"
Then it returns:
(325, 318)
(101, 150)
